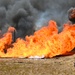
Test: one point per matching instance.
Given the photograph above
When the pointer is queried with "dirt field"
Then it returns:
(54, 66)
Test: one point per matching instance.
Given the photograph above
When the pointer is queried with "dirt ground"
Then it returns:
(63, 65)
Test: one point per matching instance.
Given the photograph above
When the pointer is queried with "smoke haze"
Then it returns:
(28, 16)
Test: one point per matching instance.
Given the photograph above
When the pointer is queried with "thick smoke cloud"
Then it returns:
(28, 16)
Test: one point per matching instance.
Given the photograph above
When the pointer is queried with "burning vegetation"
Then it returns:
(46, 42)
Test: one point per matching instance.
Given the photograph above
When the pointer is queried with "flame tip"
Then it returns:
(11, 29)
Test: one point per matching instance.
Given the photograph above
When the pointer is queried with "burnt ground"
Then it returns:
(63, 65)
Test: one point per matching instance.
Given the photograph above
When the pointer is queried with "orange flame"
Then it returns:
(45, 42)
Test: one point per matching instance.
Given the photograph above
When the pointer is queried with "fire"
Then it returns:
(6, 40)
(46, 42)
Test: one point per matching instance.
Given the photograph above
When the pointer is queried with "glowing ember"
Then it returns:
(46, 42)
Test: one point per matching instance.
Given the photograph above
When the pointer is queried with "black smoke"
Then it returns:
(28, 16)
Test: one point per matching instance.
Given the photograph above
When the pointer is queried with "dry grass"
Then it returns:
(54, 66)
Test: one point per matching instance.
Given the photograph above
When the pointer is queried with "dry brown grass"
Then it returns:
(53, 66)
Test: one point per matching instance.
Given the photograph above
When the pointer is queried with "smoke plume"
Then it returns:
(28, 16)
